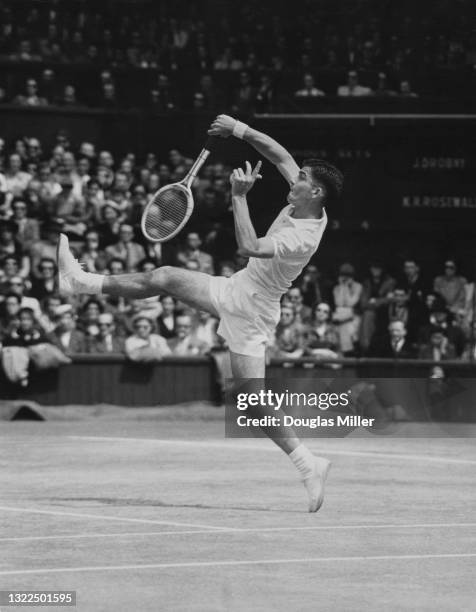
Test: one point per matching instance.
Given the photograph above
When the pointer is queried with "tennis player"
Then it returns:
(248, 303)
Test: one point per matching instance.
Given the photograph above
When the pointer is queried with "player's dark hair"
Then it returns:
(328, 176)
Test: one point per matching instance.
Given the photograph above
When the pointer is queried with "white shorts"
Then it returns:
(248, 318)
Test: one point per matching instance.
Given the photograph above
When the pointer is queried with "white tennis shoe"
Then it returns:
(315, 483)
(70, 273)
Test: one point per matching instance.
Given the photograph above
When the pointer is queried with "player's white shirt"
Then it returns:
(295, 242)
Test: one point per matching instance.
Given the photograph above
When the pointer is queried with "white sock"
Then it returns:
(303, 460)
(91, 283)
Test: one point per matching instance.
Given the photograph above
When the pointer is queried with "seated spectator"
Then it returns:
(309, 90)
(226, 269)
(93, 258)
(244, 96)
(126, 249)
(15, 355)
(309, 285)
(352, 88)
(375, 294)
(16, 179)
(9, 311)
(398, 308)
(347, 294)
(393, 344)
(417, 289)
(90, 316)
(205, 330)
(451, 286)
(9, 245)
(45, 248)
(302, 313)
(9, 267)
(45, 284)
(65, 336)
(289, 335)
(106, 341)
(49, 313)
(27, 229)
(116, 266)
(16, 285)
(166, 321)
(109, 227)
(30, 97)
(109, 96)
(184, 344)
(68, 97)
(406, 90)
(70, 208)
(192, 251)
(25, 334)
(144, 345)
(442, 319)
(49, 186)
(383, 90)
(439, 348)
(322, 339)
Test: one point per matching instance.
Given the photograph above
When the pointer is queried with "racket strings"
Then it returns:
(166, 213)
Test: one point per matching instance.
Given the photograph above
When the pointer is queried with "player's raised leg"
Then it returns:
(193, 288)
(249, 376)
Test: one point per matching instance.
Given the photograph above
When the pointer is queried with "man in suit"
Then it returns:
(126, 249)
(66, 337)
(394, 344)
(106, 341)
(28, 230)
(184, 344)
(439, 347)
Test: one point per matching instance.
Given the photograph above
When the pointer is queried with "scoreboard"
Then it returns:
(399, 169)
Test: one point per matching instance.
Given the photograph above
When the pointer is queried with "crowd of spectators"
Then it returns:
(97, 200)
(278, 53)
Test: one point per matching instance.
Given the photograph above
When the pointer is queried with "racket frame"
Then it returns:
(183, 185)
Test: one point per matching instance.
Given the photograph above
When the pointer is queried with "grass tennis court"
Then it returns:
(159, 515)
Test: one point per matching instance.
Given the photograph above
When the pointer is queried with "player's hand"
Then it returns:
(222, 126)
(243, 180)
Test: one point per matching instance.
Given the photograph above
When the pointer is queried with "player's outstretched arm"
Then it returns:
(226, 126)
(249, 244)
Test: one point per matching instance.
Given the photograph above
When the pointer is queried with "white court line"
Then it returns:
(117, 568)
(241, 447)
(107, 517)
(239, 530)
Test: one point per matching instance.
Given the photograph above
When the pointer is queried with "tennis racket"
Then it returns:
(170, 207)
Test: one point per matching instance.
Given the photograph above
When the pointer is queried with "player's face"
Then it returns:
(303, 190)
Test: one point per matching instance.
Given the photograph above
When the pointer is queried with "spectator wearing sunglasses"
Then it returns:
(145, 346)
(322, 338)
(45, 285)
(106, 341)
(289, 335)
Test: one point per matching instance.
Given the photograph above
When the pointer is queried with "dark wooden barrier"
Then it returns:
(95, 379)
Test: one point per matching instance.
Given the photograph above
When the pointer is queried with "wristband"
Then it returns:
(239, 129)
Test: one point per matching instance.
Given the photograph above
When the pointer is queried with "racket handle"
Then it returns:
(211, 143)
